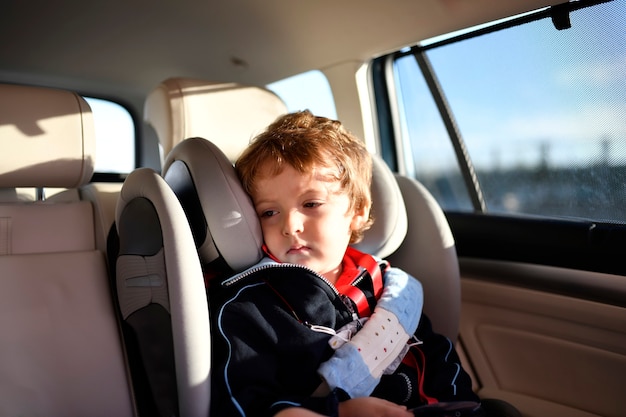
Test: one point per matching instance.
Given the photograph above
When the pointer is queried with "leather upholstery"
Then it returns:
(46, 136)
(228, 114)
(61, 351)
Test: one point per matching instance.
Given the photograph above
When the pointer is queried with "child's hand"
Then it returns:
(372, 407)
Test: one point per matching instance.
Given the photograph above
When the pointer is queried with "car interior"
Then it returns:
(104, 270)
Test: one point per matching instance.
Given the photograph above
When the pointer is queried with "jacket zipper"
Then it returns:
(344, 299)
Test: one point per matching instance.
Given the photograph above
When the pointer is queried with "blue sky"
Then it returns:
(518, 91)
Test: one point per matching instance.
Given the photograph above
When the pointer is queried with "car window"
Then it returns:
(308, 90)
(540, 114)
(115, 137)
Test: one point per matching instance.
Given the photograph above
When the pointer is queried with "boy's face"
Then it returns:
(306, 218)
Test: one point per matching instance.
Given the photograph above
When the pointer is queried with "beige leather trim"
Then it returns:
(44, 227)
(549, 352)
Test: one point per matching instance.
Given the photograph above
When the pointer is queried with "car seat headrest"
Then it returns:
(223, 220)
(47, 138)
(389, 213)
(222, 217)
(228, 114)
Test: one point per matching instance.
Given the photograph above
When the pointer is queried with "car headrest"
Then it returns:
(228, 114)
(390, 219)
(221, 215)
(47, 138)
(223, 219)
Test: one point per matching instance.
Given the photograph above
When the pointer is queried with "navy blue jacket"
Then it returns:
(266, 356)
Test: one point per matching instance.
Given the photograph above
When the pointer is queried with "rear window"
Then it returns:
(308, 90)
(520, 118)
(115, 137)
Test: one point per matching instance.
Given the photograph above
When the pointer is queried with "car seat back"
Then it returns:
(61, 352)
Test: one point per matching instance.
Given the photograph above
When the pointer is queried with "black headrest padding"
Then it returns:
(140, 229)
(181, 182)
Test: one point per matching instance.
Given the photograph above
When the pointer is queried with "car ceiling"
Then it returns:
(123, 48)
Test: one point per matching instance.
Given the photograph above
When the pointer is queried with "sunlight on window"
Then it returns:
(309, 90)
(115, 137)
(540, 111)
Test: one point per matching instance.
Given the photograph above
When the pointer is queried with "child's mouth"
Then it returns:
(297, 250)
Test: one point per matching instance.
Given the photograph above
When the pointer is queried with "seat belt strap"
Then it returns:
(367, 286)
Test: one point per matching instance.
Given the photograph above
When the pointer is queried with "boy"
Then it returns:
(318, 327)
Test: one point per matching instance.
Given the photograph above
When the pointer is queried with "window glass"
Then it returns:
(431, 157)
(115, 137)
(542, 113)
(309, 90)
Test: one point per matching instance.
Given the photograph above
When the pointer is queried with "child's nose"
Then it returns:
(293, 223)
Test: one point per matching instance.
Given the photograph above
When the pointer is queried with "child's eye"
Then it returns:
(267, 213)
(312, 204)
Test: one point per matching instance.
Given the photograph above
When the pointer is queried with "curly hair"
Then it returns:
(305, 141)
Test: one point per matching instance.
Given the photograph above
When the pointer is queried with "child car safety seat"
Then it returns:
(225, 238)
(223, 220)
(222, 214)
(162, 301)
(231, 114)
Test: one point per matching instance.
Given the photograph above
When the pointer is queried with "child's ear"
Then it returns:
(360, 217)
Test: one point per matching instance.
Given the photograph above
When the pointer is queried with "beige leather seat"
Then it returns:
(181, 108)
(429, 254)
(60, 350)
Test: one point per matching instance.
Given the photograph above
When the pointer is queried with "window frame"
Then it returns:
(570, 243)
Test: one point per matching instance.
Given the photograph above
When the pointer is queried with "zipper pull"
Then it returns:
(349, 305)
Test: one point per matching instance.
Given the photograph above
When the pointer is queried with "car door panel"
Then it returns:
(546, 351)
